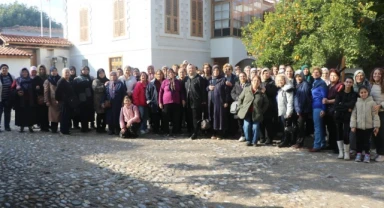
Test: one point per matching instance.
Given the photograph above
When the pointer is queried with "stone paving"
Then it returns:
(93, 170)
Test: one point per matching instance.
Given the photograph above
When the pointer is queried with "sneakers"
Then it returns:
(213, 137)
(367, 158)
(242, 139)
(358, 157)
(143, 132)
(218, 138)
(380, 158)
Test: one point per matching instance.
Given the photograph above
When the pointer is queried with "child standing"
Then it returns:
(364, 120)
(129, 119)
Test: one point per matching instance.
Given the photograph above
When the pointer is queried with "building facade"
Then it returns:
(111, 34)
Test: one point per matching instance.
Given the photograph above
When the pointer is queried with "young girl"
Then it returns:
(364, 120)
(129, 119)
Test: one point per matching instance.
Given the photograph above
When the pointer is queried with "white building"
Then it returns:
(111, 34)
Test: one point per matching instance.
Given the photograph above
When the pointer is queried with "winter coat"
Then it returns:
(364, 115)
(378, 96)
(5, 93)
(152, 96)
(343, 102)
(232, 79)
(257, 100)
(196, 93)
(167, 96)
(285, 101)
(129, 115)
(50, 97)
(113, 112)
(271, 93)
(82, 86)
(319, 91)
(332, 92)
(64, 92)
(216, 100)
(237, 89)
(302, 98)
(139, 94)
(98, 94)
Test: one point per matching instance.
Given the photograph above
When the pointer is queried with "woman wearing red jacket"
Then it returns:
(140, 101)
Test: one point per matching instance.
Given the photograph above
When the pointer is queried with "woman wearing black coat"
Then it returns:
(25, 101)
(42, 109)
(83, 89)
(235, 93)
(67, 101)
(75, 117)
(270, 116)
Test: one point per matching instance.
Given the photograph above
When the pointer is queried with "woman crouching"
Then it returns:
(129, 119)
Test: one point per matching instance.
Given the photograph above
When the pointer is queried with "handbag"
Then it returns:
(205, 124)
(40, 99)
(234, 107)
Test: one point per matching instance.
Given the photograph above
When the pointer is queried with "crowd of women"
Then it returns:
(216, 102)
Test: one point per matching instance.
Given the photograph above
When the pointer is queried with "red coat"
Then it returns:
(139, 94)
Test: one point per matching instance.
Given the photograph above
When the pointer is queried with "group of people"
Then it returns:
(213, 101)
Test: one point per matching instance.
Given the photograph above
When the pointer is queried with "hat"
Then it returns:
(263, 70)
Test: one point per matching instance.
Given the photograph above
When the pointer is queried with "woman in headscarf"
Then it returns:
(307, 74)
(139, 100)
(171, 97)
(325, 75)
(115, 91)
(360, 80)
(6, 95)
(152, 97)
(67, 99)
(25, 101)
(41, 108)
(218, 101)
(50, 86)
(75, 116)
(83, 89)
(98, 87)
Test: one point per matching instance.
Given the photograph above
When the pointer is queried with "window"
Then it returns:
(197, 18)
(115, 63)
(118, 18)
(172, 16)
(229, 16)
(84, 25)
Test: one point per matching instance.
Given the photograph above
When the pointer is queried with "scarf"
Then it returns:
(172, 86)
(53, 79)
(32, 69)
(104, 79)
(112, 88)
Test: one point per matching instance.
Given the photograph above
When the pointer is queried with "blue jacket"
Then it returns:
(303, 99)
(319, 91)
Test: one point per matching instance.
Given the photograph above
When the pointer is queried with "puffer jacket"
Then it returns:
(364, 115)
(303, 98)
(285, 100)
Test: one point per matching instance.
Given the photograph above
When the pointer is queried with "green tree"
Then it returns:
(314, 32)
(20, 14)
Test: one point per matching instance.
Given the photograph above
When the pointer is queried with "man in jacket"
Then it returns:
(196, 95)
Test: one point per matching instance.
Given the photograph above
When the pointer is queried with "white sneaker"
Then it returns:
(143, 132)
(379, 158)
(242, 139)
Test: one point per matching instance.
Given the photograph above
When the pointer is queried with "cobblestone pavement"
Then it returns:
(91, 170)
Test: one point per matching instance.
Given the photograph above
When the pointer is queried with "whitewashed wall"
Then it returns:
(43, 57)
(228, 47)
(16, 64)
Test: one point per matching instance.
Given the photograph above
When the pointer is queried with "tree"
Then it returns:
(314, 32)
(20, 14)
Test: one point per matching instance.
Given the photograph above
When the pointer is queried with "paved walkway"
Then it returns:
(91, 170)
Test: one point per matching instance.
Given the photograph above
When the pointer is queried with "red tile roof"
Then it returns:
(31, 29)
(13, 52)
(34, 40)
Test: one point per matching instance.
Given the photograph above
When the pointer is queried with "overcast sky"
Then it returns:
(57, 7)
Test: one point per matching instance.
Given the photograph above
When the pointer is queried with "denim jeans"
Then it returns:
(251, 129)
(319, 141)
(143, 117)
(7, 113)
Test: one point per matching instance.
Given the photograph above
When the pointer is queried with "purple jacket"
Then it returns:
(166, 96)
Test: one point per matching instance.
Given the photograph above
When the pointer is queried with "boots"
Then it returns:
(346, 152)
(341, 150)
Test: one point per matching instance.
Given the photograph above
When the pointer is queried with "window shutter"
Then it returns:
(122, 18)
(172, 16)
(193, 17)
(200, 18)
(84, 25)
(175, 16)
(115, 18)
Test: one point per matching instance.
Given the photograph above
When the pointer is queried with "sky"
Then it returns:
(57, 7)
